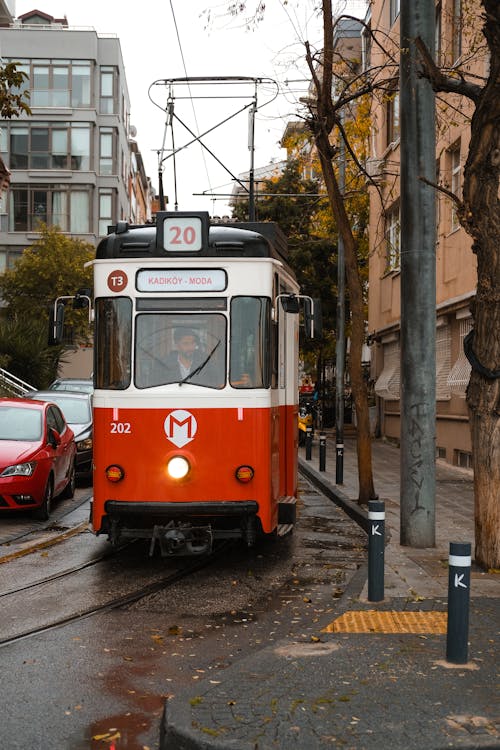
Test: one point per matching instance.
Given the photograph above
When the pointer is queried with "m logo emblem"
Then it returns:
(180, 427)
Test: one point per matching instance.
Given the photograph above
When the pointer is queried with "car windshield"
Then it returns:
(75, 410)
(73, 385)
(19, 423)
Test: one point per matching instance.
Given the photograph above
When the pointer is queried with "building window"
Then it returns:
(388, 382)
(107, 91)
(366, 48)
(105, 211)
(8, 258)
(443, 363)
(80, 212)
(40, 94)
(440, 452)
(40, 153)
(80, 147)
(393, 118)
(456, 30)
(19, 146)
(437, 33)
(394, 10)
(22, 67)
(59, 148)
(462, 459)
(32, 205)
(50, 86)
(57, 83)
(80, 85)
(460, 372)
(456, 183)
(50, 146)
(106, 160)
(392, 238)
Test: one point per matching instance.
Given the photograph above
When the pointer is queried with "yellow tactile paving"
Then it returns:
(375, 621)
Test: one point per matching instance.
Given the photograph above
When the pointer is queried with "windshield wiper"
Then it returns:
(200, 367)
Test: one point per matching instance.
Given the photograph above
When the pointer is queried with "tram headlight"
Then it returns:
(244, 474)
(178, 467)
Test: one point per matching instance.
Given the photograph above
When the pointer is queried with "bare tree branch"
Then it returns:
(441, 82)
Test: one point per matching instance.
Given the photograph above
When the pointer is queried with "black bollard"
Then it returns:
(339, 463)
(322, 451)
(457, 634)
(309, 441)
(376, 544)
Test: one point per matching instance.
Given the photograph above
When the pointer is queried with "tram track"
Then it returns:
(17, 624)
(32, 528)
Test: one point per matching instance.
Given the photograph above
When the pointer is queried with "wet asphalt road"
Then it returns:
(103, 680)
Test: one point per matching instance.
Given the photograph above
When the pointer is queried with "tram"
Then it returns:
(195, 369)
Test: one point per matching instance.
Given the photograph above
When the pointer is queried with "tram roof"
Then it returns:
(229, 240)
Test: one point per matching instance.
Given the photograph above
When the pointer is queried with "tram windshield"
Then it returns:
(175, 345)
(180, 348)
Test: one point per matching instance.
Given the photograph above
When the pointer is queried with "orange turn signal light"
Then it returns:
(114, 473)
(244, 474)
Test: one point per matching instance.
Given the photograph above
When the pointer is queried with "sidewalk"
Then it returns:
(365, 677)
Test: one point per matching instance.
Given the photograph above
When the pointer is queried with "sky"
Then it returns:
(161, 41)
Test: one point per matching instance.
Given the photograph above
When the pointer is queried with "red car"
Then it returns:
(37, 456)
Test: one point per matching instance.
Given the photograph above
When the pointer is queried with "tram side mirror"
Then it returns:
(56, 324)
(82, 299)
(290, 303)
(313, 319)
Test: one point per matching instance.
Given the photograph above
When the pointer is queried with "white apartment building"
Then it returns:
(70, 160)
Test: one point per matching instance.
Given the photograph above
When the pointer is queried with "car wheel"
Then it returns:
(69, 490)
(43, 512)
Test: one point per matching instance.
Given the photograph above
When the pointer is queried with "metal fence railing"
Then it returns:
(12, 385)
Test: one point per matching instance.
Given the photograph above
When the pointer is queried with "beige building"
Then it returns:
(457, 43)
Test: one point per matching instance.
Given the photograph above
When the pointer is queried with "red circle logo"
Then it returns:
(117, 281)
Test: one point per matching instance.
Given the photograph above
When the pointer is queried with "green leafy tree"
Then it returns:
(13, 98)
(24, 350)
(54, 266)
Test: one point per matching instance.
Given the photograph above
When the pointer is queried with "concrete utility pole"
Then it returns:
(418, 281)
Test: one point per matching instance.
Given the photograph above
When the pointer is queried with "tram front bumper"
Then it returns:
(182, 509)
(181, 528)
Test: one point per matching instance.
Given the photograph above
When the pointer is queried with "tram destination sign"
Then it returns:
(181, 280)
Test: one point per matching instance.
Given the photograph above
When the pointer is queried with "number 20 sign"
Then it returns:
(182, 234)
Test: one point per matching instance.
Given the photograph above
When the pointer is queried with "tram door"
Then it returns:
(286, 387)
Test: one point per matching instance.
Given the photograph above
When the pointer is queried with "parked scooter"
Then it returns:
(305, 419)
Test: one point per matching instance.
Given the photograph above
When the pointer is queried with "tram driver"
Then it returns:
(186, 356)
(188, 359)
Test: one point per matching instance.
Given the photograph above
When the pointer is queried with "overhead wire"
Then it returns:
(190, 95)
(287, 89)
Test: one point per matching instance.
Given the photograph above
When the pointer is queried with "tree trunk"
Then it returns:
(358, 384)
(481, 219)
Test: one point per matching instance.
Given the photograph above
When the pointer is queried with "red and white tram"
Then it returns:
(195, 402)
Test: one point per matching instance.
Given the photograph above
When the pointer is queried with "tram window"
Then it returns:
(250, 342)
(113, 342)
(192, 304)
(180, 348)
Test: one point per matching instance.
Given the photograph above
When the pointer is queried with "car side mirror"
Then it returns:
(54, 437)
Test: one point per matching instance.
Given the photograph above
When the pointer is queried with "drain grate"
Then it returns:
(375, 621)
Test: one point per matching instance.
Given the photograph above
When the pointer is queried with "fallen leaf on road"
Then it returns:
(110, 736)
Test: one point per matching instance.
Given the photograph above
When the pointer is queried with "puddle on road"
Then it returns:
(123, 731)
(132, 677)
